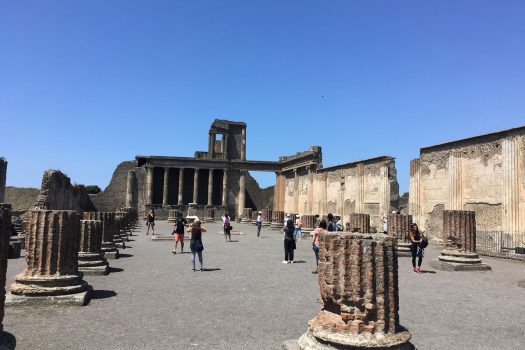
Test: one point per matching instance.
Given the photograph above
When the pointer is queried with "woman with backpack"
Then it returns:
(227, 227)
(151, 222)
(178, 233)
(289, 242)
(196, 245)
(417, 243)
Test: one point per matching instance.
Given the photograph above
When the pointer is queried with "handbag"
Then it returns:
(197, 246)
(294, 246)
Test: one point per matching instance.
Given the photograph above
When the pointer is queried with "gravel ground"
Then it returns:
(247, 299)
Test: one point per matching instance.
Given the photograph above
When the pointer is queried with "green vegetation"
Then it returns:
(93, 189)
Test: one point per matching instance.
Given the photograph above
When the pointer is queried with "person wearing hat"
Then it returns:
(258, 223)
(196, 245)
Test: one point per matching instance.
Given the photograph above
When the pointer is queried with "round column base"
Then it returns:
(398, 341)
(459, 261)
(48, 285)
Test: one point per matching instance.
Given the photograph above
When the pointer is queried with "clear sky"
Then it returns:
(85, 85)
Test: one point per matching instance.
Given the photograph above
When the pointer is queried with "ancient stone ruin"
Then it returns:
(358, 223)
(91, 261)
(398, 226)
(51, 275)
(7, 340)
(359, 287)
(3, 176)
(459, 243)
(108, 247)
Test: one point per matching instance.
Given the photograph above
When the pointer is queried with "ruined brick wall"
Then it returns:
(484, 174)
(114, 195)
(262, 198)
(21, 199)
(57, 193)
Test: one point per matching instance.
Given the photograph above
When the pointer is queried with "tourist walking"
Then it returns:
(298, 225)
(227, 227)
(315, 241)
(258, 223)
(331, 224)
(415, 247)
(196, 245)
(178, 233)
(151, 222)
(289, 242)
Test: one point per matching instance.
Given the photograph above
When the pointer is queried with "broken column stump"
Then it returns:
(459, 243)
(277, 219)
(209, 214)
(309, 223)
(267, 217)
(123, 225)
(358, 279)
(108, 247)
(246, 216)
(172, 215)
(399, 226)
(51, 275)
(91, 261)
(358, 223)
(7, 340)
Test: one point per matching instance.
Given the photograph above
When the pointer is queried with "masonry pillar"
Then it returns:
(51, 275)
(511, 186)
(90, 258)
(384, 193)
(360, 196)
(166, 186)
(211, 145)
(358, 280)
(130, 189)
(243, 146)
(7, 340)
(455, 182)
(196, 186)
(242, 193)
(310, 205)
(149, 184)
(225, 145)
(210, 188)
(459, 243)
(276, 193)
(358, 222)
(181, 186)
(225, 188)
(398, 226)
(414, 199)
(108, 247)
(3, 176)
(295, 191)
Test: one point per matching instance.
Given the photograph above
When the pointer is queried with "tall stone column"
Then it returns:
(510, 154)
(225, 188)
(358, 279)
(276, 192)
(211, 145)
(384, 193)
(324, 194)
(295, 191)
(459, 243)
(90, 258)
(196, 186)
(360, 195)
(414, 198)
(243, 145)
(310, 205)
(3, 176)
(455, 182)
(51, 275)
(181, 186)
(242, 193)
(131, 193)
(210, 188)
(165, 189)
(7, 340)
(282, 191)
(225, 145)
(149, 184)
(108, 247)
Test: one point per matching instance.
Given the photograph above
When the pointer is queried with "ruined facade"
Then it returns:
(220, 179)
(484, 174)
(3, 173)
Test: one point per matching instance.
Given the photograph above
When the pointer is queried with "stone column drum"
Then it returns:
(358, 223)
(308, 222)
(277, 219)
(358, 278)
(209, 215)
(172, 215)
(51, 275)
(255, 214)
(122, 222)
(7, 340)
(90, 258)
(109, 249)
(118, 237)
(399, 226)
(267, 217)
(246, 215)
(459, 243)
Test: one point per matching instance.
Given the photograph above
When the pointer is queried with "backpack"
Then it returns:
(179, 227)
(424, 242)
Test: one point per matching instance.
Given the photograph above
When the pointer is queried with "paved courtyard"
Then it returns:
(248, 300)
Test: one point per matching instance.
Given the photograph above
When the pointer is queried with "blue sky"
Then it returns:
(86, 85)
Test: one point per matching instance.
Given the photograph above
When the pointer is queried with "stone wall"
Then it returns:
(20, 198)
(484, 174)
(57, 193)
(261, 198)
(3, 177)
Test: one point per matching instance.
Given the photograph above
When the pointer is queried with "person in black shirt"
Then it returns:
(178, 233)
(331, 224)
(289, 242)
(151, 222)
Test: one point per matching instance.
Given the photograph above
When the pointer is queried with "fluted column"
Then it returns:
(310, 206)
(108, 228)
(130, 189)
(196, 186)
(384, 192)
(414, 198)
(455, 182)
(360, 195)
(181, 186)
(149, 184)
(166, 186)
(90, 258)
(52, 258)
(225, 188)
(242, 190)
(511, 186)
(296, 191)
(3, 175)
(358, 280)
(243, 145)
(210, 187)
